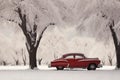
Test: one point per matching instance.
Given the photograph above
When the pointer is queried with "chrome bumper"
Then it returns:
(49, 65)
(99, 65)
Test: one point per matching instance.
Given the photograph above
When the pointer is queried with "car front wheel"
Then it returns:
(60, 68)
(92, 67)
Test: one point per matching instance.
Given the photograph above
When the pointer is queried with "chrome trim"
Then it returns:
(86, 59)
(60, 60)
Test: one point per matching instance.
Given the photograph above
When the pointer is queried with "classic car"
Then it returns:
(75, 60)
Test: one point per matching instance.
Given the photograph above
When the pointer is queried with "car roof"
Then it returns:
(67, 54)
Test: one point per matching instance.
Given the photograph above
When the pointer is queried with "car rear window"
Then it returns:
(78, 57)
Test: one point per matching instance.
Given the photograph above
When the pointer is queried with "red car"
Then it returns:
(75, 60)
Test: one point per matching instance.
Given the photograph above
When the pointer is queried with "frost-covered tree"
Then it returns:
(26, 15)
(116, 41)
(32, 42)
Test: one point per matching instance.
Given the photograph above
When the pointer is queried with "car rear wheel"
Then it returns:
(92, 67)
(60, 68)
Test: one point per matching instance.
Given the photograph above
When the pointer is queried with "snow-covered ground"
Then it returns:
(45, 67)
(45, 73)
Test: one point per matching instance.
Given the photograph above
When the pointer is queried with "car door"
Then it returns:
(79, 61)
(71, 61)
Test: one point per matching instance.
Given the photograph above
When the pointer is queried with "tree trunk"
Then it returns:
(32, 58)
(118, 55)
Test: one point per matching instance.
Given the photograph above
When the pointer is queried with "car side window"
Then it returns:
(78, 57)
(69, 57)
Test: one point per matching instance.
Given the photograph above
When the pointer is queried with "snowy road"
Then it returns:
(59, 75)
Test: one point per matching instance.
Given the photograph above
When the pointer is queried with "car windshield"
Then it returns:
(69, 56)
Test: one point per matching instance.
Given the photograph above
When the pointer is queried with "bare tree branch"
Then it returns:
(19, 13)
(24, 57)
(40, 36)
(23, 25)
(110, 60)
(28, 48)
(39, 61)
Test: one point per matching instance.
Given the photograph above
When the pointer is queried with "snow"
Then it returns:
(45, 67)
(45, 73)
(9, 67)
(80, 26)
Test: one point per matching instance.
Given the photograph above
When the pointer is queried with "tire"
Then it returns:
(92, 67)
(60, 68)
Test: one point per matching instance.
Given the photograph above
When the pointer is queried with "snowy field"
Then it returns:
(45, 73)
